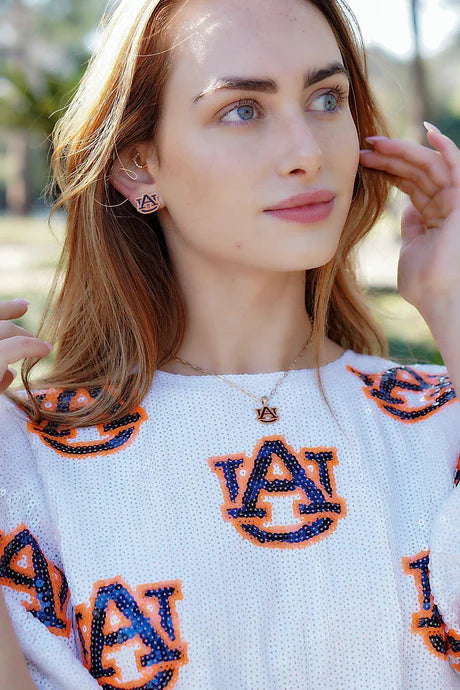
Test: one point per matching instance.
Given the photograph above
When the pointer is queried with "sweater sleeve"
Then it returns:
(445, 572)
(32, 576)
(444, 558)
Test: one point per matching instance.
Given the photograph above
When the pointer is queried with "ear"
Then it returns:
(133, 182)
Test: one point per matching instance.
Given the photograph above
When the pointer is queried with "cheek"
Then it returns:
(343, 144)
(349, 147)
(345, 167)
(199, 187)
(194, 169)
(202, 180)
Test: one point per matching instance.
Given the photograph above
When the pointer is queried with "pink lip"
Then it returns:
(314, 196)
(312, 213)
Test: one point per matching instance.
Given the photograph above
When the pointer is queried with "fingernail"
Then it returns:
(431, 128)
(49, 345)
(21, 300)
(375, 138)
(366, 151)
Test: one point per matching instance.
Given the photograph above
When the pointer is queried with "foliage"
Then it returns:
(41, 73)
(35, 108)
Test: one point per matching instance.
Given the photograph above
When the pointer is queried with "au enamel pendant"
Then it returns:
(267, 414)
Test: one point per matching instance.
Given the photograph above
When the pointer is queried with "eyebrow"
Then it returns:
(269, 85)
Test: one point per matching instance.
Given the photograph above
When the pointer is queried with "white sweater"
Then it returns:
(191, 546)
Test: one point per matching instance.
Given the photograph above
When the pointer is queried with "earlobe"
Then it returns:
(131, 177)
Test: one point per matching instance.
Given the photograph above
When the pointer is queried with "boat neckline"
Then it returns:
(326, 367)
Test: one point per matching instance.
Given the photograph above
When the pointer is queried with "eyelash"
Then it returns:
(339, 91)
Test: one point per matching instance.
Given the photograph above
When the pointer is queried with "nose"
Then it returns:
(300, 151)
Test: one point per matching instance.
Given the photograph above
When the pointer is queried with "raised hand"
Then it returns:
(429, 262)
(15, 342)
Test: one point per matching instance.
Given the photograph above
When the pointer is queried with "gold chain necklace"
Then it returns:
(265, 414)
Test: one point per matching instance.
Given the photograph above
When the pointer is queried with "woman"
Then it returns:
(224, 482)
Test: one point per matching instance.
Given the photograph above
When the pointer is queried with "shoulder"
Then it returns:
(16, 457)
(375, 368)
(113, 433)
(18, 428)
(376, 363)
(11, 415)
(408, 392)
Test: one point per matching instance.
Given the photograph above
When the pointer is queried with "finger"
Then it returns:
(420, 157)
(9, 329)
(443, 204)
(420, 200)
(400, 167)
(449, 152)
(12, 309)
(18, 347)
(433, 211)
(7, 380)
(412, 224)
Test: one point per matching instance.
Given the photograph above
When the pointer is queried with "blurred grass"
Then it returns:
(409, 337)
(29, 250)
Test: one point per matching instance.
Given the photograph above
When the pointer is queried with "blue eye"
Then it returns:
(330, 95)
(245, 108)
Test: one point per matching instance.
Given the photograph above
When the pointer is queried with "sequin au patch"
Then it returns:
(25, 568)
(112, 437)
(457, 473)
(392, 391)
(139, 626)
(427, 621)
(274, 470)
(120, 624)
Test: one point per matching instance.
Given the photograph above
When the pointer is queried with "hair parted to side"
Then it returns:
(115, 312)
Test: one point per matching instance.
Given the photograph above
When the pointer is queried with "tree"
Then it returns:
(39, 73)
(422, 104)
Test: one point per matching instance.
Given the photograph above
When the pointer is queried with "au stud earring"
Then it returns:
(147, 203)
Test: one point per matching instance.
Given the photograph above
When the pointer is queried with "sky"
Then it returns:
(387, 23)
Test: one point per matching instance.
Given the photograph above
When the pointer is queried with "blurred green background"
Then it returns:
(44, 49)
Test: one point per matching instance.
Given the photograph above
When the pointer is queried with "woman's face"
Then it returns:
(223, 163)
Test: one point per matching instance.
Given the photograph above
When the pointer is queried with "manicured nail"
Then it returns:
(431, 128)
(21, 300)
(375, 138)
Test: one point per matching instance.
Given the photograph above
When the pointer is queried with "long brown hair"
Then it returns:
(115, 312)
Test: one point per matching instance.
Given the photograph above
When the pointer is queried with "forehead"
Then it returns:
(248, 37)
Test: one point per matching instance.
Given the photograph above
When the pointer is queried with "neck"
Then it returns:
(242, 328)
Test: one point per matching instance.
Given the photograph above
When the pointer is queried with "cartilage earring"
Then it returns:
(136, 163)
(147, 203)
